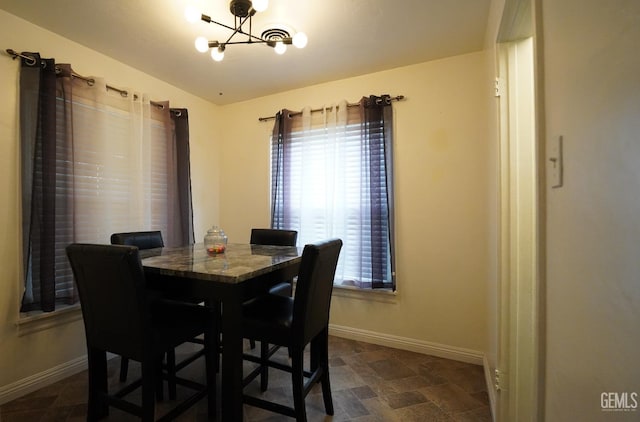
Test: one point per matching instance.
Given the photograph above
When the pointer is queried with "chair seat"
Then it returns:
(172, 324)
(169, 331)
(282, 289)
(268, 317)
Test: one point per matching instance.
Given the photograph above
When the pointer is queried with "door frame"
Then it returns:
(520, 331)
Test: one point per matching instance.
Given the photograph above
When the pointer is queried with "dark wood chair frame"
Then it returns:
(295, 323)
(151, 327)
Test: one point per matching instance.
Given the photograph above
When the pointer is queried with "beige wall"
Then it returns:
(25, 356)
(592, 99)
(443, 186)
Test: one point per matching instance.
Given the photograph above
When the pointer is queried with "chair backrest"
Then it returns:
(314, 287)
(111, 282)
(143, 240)
(274, 237)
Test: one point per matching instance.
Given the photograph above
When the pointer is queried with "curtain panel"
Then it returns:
(184, 233)
(332, 176)
(38, 85)
(94, 160)
(376, 133)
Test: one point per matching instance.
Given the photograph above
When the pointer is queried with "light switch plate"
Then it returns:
(555, 162)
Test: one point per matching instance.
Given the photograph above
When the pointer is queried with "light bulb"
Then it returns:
(217, 54)
(280, 48)
(202, 45)
(260, 5)
(300, 40)
(192, 14)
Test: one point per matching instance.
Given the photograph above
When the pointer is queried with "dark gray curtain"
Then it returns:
(376, 130)
(42, 135)
(180, 118)
(280, 139)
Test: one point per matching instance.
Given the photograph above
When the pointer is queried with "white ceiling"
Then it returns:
(346, 38)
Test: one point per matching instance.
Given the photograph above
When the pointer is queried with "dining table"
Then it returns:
(227, 279)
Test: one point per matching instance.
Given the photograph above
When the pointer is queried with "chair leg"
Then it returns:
(323, 349)
(124, 368)
(211, 360)
(150, 371)
(297, 379)
(159, 387)
(97, 407)
(171, 372)
(264, 368)
(315, 353)
(217, 323)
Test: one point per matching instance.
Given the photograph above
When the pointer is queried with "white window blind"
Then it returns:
(113, 176)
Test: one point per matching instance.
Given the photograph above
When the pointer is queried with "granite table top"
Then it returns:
(238, 263)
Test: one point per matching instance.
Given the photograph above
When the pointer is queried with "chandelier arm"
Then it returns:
(247, 42)
(208, 19)
(238, 29)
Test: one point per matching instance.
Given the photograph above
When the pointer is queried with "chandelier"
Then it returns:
(243, 11)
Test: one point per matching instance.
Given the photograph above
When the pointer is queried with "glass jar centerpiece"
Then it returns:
(215, 241)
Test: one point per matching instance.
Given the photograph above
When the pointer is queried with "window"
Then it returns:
(331, 177)
(106, 181)
(94, 162)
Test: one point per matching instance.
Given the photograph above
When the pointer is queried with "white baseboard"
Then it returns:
(404, 343)
(37, 381)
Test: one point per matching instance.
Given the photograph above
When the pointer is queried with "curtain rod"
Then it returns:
(90, 81)
(315, 110)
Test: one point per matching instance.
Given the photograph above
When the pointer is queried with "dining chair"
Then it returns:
(121, 316)
(276, 237)
(143, 240)
(295, 323)
(149, 240)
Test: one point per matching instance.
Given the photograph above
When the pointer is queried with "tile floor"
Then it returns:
(368, 382)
